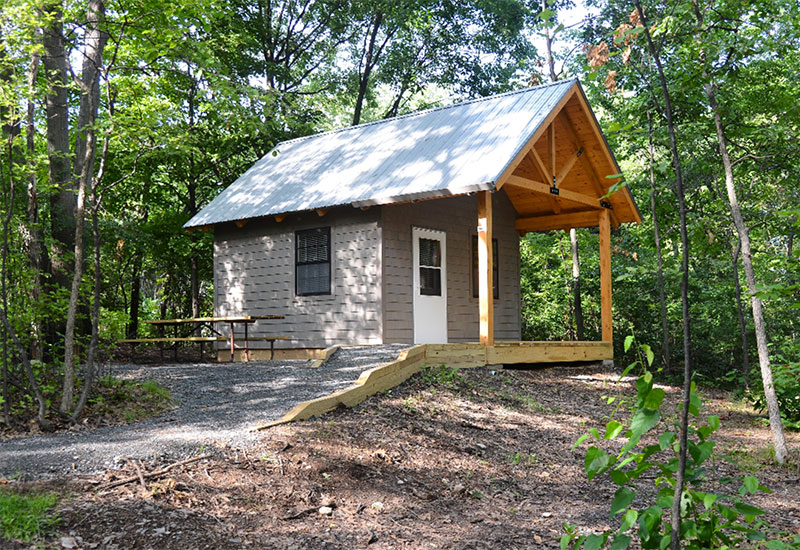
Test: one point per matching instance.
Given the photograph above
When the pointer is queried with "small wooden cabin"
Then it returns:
(407, 230)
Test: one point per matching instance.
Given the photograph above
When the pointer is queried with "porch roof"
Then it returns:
(479, 145)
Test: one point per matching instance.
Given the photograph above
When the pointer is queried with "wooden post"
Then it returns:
(605, 276)
(485, 268)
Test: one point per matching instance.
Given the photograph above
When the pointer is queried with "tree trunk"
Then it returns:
(62, 196)
(23, 354)
(5, 76)
(363, 80)
(551, 64)
(94, 200)
(680, 475)
(34, 246)
(576, 284)
(665, 352)
(136, 288)
(740, 314)
(775, 423)
(95, 41)
(96, 13)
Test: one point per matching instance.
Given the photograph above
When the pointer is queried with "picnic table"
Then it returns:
(196, 324)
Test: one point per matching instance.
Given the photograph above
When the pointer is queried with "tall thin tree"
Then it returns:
(680, 475)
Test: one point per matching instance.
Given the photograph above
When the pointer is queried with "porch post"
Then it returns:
(605, 276)
(485, 267)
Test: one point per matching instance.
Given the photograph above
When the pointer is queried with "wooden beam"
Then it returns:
(485, 259)
(605, 277)
(241, 223)
(540, 165)
(544, 189)
(591, 171)
(205, 228)
(559, 221)
(568, 166)
(607, 153)
(280, 217)
(503, 179)
(551, 147)
(537, 161)
(321, 211)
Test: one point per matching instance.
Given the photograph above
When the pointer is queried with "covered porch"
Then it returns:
(563, 178)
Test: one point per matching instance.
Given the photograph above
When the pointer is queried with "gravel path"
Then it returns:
(216, 404)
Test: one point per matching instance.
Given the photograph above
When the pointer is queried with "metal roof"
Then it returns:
(450, 150)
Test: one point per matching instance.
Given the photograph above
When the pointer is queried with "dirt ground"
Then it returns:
(482, 461)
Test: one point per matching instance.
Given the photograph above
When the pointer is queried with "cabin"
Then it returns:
(406, 230)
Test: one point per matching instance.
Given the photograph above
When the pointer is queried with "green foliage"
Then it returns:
(129, 401)
(785, 377)
(440, 376)
(523, 459)
(712, 515)
(26, 517)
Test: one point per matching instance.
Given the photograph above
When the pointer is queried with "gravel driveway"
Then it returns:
(216, 404)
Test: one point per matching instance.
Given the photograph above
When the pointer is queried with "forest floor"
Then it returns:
(478, 459)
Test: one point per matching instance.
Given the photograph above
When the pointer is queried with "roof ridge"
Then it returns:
(431, 110)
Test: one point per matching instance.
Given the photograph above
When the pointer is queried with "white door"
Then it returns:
(430, 286)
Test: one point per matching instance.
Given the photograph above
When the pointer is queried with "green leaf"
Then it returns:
(613, 429)
(666, 439)
(545, 15)
(628, 342)
(620, 542)
(622, 499)
(628, 520)
(709, 499)
(751, 484)
(713, 421)
(565, 540)
(700, 452)
(597, 461)
(654, 399)
(727, 512)
(777, 545)
(747, 509)
(619, 477)
(644, 384)
(593, 542)
(628, 369)
(649, 354)
(580, 440)
(643, 421)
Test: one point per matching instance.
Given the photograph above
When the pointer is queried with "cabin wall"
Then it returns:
(458, 218)
(254, 275)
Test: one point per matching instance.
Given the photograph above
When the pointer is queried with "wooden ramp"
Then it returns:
(384, 377)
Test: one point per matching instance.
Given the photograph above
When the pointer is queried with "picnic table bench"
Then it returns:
(198, 323)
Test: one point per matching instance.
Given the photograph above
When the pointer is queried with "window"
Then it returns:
(430, 267)
(312, 262)
(495, 268)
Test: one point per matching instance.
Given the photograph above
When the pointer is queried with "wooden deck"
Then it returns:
(512, 353)
(411, 361)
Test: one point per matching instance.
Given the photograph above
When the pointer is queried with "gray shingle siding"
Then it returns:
(254, 275)
(371, 300)
(458, 218)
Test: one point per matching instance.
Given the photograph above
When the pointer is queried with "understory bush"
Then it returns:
(714, 513)
(786, 377)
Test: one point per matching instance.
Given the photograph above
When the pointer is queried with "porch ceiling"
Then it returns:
(570, 149)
